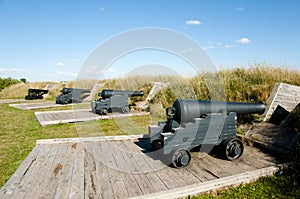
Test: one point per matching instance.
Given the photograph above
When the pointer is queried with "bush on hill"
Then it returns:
(6, 82)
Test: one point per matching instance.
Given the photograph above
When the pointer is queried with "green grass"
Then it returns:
(285, 185)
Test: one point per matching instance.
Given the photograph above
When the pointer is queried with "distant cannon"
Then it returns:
(35, 94)
(72, 95)
(193, 123)
(113, 100)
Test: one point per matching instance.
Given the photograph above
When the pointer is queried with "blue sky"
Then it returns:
(45, 40)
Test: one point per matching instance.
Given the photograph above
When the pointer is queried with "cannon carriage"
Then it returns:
(35, 94)
(113, 101)
(194, 123)
(72, 95)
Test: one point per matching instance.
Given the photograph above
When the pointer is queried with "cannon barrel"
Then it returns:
(34, 90)
(185, 110)
(79, 90)
(109, 93)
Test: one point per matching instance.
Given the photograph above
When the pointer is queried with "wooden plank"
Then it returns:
(69, 116)
(31, 106)
(7, 101)
(92, 182)
(41, 174)
(213, 184)
(126, 168)
(66, 174)
(142, 181)
(77, 181)
(118, 186)
(52, 173)
(88, 139)
(212, 168)
(196, 169)
(17, 178)
(28, 183)
(141, 160)
(92, 168)
(166, 177)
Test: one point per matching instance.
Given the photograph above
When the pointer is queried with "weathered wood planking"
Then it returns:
(107, 168)
(31, 106)
(80, 115)
(280, 138)
(285, 95)
(40, 105)
(7, 101)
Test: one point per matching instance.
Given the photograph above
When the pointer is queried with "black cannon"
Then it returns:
(35, 94)
(113, 100)
(72, 95)
(194, 123)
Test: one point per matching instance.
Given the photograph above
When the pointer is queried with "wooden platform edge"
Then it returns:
(217, 184)
(89, 139)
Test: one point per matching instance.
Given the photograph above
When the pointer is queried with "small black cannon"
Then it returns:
(35, 94)
(113, 100)
(72, 95)
(193, 123)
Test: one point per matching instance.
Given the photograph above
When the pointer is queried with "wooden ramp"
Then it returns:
(80, 115)
(117, 167)
(285, 95)
(281, 137)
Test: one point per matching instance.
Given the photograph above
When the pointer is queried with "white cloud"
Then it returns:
(243, 40)
(66, 73)
(239, 8)
(7, 70)
(12, 70)
(110, 70)
(210, 47)
(227, 46)
(60, 64)
(193, 22)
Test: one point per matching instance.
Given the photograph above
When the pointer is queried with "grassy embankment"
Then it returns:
(20, 129)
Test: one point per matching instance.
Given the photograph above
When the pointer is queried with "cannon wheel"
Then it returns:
(104, 111)
(181, 158)
(157, 144)
(125, 109)
(233, 148)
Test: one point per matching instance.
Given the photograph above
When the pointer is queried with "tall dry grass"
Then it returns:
(20, 90)
(250, 83)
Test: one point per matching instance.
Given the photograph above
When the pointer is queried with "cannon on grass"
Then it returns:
(72, 95)
(113, 101)
(194, 123)
(35, 94)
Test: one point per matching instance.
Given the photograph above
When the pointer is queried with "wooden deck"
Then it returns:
(118, 167)
(34, 105)
(7, 101)
(80, 115)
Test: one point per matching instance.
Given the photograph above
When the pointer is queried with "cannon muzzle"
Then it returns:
(109, 93)
(184, 111)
